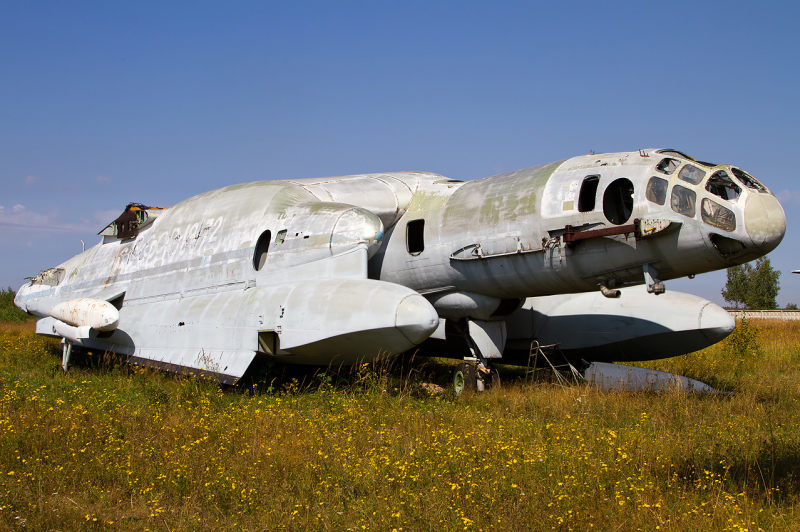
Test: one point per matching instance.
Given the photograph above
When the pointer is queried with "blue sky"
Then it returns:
(103, 103)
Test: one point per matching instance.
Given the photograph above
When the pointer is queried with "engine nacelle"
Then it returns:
(381, 318)
(87, 312)
(637, 326)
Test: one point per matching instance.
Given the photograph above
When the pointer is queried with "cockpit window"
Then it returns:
(667, 166)
(720, 184)
(691, 174)
(748, 180)
(657, 190)
(715, 214)
(683, 201)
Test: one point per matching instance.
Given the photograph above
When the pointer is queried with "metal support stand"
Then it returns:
(66, 354)
(537, 350)
(654, 286)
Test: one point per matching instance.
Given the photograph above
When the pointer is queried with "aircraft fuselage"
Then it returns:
(340, 269)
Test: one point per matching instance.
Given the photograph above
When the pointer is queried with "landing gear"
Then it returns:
(67, 353)
(485, 341)
(492, 379)
(471, 377)
(464, 378)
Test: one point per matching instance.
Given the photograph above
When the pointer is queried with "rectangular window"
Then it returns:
(657, 190)
(683, 201)
(268, 342)
(691, 174)
(415, 241)
(715, 214)
(720, 184)
(588, 195)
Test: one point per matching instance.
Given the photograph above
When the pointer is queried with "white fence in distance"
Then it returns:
(765, 314)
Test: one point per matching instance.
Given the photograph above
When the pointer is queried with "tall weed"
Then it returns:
(8, 311)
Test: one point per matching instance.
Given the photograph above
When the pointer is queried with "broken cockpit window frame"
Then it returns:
(706, 164)
(49, 277)
(720, 184)
(133, 218)
(691, 174)
(683, 201)
(656, 191)
(726, 246)
(668, 165)
(675, 153)
(715, 214)
(748, 180)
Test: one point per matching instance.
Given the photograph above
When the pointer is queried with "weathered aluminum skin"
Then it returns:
(190, 297)
(307, 261)
(509, 216)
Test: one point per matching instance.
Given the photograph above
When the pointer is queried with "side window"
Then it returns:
(280, 237)
(586, 199)
(691, 174)
(668, 166)
(683, 200)
(748, 180)
(720, 184)
(657, 190)
(415, 240)
(261, 249)
(618, 201)
(715, 214)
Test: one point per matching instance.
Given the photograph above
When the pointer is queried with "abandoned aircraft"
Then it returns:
(341, 269)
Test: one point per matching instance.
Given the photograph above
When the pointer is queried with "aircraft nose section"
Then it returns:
(765, 221)
(19, 299)
(715, 322)
(416, 318)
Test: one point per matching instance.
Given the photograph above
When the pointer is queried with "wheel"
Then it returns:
(464, 378)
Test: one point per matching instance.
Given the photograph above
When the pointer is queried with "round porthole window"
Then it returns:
(260, 252)
(618, 201)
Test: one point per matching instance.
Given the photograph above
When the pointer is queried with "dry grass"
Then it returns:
(18, 326)
(120, 449)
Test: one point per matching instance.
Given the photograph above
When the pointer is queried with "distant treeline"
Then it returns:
(8, 311)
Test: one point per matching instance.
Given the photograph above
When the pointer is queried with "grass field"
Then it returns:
(109, 447)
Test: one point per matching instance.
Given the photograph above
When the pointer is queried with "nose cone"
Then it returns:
(765, 221)
(18, 299)
(715, 322)
(416, 318)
